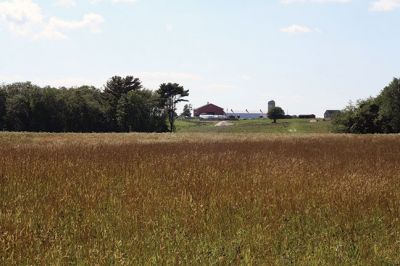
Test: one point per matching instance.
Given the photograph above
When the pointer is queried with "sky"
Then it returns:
(307, 55)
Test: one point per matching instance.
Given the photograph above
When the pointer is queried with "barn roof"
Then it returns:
(209, 104)
(332, 111)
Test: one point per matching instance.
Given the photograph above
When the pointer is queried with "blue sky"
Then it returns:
(307, 55)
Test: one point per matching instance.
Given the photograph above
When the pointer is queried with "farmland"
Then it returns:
(150, 199)
(287, 126)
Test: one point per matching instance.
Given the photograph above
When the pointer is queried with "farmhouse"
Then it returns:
(329, 114)
(208, 109)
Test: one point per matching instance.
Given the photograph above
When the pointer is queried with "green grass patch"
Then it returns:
(287, 126)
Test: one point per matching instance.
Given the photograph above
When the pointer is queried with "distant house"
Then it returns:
(208, 109)
(329, 114)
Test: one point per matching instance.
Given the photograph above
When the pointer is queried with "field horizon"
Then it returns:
(283, 126)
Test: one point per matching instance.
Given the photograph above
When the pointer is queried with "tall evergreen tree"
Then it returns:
(116, 88)
(170, 95)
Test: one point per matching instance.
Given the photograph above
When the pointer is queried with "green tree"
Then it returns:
(139, 111)
(18, 112)
(18, 106)
(170, 95)
(187, 110)
(144, 113)
(116, 88)
(389, 101)
(122, 114)
(362, 118)
(366, 118)
(26, 107)
(374, 115)
(46, 109)
(84, 110)
(343, 121)
(276, 113)
(2, 108)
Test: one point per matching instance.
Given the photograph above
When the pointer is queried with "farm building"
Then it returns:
(271, 105)
(329, 114)
(250, 115)
(247, 115)
(208, 109)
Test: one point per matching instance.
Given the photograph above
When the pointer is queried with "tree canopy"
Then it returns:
(170, 95)
(380, 114)
(276, 113)
(123, 106)
(118, 86)
(187, 111)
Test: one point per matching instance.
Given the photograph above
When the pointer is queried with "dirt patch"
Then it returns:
(224, 124)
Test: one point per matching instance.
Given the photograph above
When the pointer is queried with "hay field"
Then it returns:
(199, 199)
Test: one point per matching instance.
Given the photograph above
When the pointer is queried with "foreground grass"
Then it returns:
(199, 199)
(289, 126)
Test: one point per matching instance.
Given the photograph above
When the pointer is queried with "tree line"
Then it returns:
(379, 114)
(122, 106)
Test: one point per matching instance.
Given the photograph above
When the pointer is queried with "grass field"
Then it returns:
(290, 126)
(195, 199)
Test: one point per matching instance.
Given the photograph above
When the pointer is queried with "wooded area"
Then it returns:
(123, 106)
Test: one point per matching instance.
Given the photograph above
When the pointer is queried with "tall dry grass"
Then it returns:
(199, 199)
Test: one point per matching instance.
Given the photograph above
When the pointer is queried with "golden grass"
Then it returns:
(199, 199)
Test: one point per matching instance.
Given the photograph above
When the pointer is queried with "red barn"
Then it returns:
(209, 109)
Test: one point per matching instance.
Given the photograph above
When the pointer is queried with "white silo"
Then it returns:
(271, 105)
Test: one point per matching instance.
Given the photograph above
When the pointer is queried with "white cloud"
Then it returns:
(246, 77)
(314, 1)
(20, 16)
(150, 80)
(25, 18)
(114, 1)
(56, 27)
(169, 27)
(53, 81)
(65, 3)
(169, 76)
(385, 5)
(123, 1)
(220, 87)
(297, 29)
